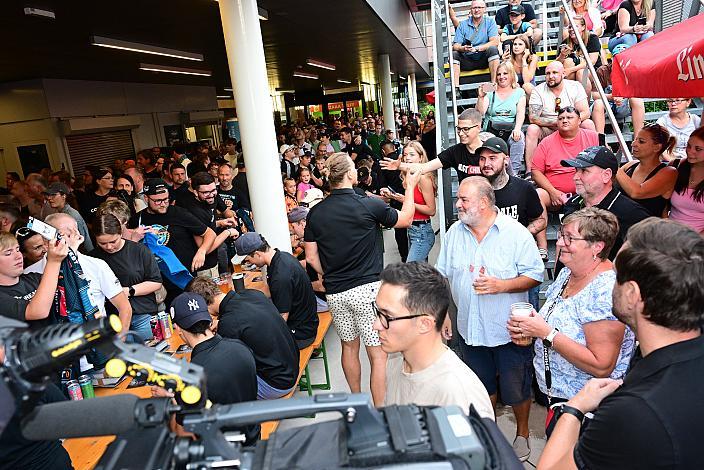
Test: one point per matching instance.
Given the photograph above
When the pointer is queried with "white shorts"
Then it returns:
(353, 314)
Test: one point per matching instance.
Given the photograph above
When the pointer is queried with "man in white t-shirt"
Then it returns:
(102, 283)
(411, 309)
(546, 100)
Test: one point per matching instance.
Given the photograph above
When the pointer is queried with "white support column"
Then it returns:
(412, 92)
(245, 56)
(387, 99)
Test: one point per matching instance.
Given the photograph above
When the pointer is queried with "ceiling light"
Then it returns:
(339, 80)
(300, 74)
(144, 48)
(224, 97)
(391, 73)
(401, 77)
(170, 69)
(227, 89)
(320, 63)
(40, 12)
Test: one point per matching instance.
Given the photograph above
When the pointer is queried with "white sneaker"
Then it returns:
(521, 447)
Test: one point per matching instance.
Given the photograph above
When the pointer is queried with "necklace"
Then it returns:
(565, 292)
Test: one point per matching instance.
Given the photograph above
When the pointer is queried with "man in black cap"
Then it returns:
(228, 363)
(290, 288)
(502, 18)
(596, 169)
(175, 228)
(55, 196)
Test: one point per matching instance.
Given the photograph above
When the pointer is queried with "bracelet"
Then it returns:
(571, 410)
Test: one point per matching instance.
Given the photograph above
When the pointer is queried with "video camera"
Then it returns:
(365, 437)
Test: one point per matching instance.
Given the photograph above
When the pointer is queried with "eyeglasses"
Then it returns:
(160, 202)
(557, 104)
(568, 239)
(208, 193)
(384, 319)
(675, 101)
(465, 130)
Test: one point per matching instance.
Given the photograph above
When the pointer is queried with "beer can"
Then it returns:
(74, 390)
(156, 327)
(86, 383)
(164, 323)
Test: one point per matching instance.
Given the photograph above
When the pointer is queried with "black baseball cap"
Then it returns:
(154, 186)
(56, 188)
(516, 10)
(599, 156)
(494, 144)
(189, 308)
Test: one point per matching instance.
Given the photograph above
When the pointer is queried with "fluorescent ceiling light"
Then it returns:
(40, 12)
(339, 80)
(300, 74)
(144, 48)
(320, 63)
(170, 69)
(224, 97)
(401, 77)
(227, 89)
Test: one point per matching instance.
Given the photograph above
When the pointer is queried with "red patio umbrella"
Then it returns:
(430, 97)
(668, 65)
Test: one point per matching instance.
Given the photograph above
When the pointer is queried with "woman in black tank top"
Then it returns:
(648, 180)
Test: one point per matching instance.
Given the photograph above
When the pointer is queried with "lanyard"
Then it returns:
(546, 346)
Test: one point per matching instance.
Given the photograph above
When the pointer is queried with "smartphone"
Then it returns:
(391, 190)
(488, 87)
(45, 230)
(507, 48)
(642, 20)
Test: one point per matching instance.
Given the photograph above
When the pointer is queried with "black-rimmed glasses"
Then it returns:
(567, 238)
(385, 319)
(465, 130)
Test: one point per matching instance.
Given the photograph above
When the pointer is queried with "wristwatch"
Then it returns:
(131, 291)
(551, 337)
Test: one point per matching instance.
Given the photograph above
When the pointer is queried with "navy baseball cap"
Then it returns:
(189, 308)
(495, 144)
(516, 10)
(599, 156)
(245, 245)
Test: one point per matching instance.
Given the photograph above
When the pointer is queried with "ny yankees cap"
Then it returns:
(188, 309)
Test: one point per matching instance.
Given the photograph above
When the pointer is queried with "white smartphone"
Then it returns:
(45, 230)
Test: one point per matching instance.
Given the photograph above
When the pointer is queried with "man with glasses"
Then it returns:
(476, 43)
(595, 168)
(189, 238)
(462, 157)
(204, 203)
(546, 101)
(411, 307)
(491, 262)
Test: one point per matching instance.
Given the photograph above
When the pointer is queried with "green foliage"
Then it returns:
(653, 106)
(425, 108)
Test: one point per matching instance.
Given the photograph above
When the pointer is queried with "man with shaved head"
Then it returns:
(547, 100)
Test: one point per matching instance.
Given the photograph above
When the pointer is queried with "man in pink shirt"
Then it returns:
(555, 182)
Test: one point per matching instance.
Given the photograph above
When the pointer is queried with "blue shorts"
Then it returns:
(508, 367)
(267, 392)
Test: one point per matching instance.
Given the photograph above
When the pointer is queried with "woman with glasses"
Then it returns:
(578, 336)
(96, 195)
(648, 180)
(680, 123)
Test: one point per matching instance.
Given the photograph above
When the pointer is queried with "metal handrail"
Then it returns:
(602, 94)
(448, 22)
(544, 14)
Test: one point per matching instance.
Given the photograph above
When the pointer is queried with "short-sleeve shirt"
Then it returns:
(206, 215)
(554, 148)
(519, 200)
(593, 45)
(15, 299)
(486, 29)
(504, 110)
(572, 93)
(252, 318)
(502, 14)
(681, 133)
(347, 229)
(460, 158)
(522, 28)
(230, 195)
(175, 230)
(292, 292)
(591, 304)
(507, 251)
(133, 264)
(447, 381)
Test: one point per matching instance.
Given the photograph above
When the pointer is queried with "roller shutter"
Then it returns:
(99, 149)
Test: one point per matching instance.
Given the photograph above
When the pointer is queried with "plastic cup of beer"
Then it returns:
(224, 282)
(522, 309)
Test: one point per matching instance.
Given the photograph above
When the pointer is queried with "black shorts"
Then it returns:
(475, 60)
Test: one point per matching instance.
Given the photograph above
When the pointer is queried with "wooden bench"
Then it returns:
(304, 377)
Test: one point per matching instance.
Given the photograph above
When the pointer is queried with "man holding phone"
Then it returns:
(476, 43)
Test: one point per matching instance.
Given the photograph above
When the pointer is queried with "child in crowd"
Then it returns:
(290, 194)
(304, 183)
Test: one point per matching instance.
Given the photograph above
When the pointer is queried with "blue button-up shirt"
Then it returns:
(487, 29)
(506, 252)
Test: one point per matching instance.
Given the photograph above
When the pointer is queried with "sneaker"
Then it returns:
(521, 447)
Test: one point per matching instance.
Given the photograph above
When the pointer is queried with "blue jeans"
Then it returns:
(267, 392)
(141, 327)
(534, 297)
(421, 239)
(628, 39)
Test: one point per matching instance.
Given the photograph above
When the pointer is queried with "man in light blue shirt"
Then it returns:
(476, 43)
(491, 261)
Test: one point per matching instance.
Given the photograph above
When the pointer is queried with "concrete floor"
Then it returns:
(504, 416)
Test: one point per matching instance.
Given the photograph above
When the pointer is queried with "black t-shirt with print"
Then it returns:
(459, 157)
(14, 299)
(206, 214)
(519, 200)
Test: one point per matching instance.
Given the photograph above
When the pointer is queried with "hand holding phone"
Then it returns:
(45, 230)
(488, 87)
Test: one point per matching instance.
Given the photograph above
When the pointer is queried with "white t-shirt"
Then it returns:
(448, 381)
(681, 133)
(572, 93)
(102, 283)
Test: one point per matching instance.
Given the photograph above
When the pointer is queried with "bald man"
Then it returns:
(545, 103)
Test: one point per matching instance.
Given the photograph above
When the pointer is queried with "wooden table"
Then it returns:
(86, 451)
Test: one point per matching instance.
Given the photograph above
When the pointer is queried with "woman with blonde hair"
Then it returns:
(588, 11)
(421, 236)
(503, 105)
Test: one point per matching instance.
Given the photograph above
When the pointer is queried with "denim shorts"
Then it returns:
(508, 367)
(421, 239)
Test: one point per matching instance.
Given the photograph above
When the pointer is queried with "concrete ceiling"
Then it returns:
(347, 33)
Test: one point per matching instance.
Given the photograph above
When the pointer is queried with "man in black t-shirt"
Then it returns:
(343, 243)
(462, 156)
(252, 318)
(203, 203)
(228, 363)
(180, 182)
(354, 147)
(291, 290)
(502, 18)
